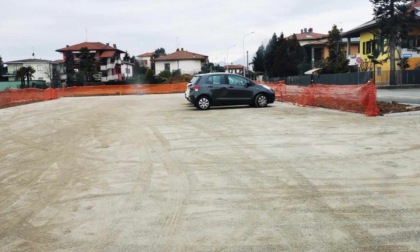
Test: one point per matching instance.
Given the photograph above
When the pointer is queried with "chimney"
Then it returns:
(301, 31)
(306, 30)
(182, 49)
(115, 46)
(107, 44)
(177, 49)
(67, 46)
(310, 30)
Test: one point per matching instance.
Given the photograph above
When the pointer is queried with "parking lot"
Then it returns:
(152, 173)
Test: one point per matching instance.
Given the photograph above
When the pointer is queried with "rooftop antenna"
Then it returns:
(177, 45)
(86, 36)
(33, 52)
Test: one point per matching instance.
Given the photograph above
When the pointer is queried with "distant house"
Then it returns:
(315, 45)
(186, 62)
(108, 58)
(145, 59)
(237, 69)
(43, 69)
(127, 69)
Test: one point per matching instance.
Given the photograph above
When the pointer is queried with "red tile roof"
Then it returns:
(90, 45)
(234, 67)
(107, 54)
(149, 54)
(182, 55)
(309, 36)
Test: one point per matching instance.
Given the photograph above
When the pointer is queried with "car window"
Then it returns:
(237, 80)
(216, 79)
(195, 80)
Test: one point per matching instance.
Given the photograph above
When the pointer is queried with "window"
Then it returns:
(237, 80)
(369, 47)
(167, 67)
(216, 79)
(39, 68)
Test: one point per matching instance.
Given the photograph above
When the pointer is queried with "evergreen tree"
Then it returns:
(150, 78)
(394, 17)
(159, 52)
(288, 56)
(258, 60)
(87, 64)
(297, 56)
(281, 58)
(69, 65)
(3, 70)
(337, 61)
(269, 55)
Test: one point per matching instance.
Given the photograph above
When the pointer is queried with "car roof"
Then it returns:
(216, 73)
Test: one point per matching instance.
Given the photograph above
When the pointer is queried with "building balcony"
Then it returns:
(108, 66)
(114, 77)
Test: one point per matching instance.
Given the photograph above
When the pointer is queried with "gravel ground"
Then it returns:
(152, 173)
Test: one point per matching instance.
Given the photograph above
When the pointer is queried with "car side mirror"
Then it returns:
(248, 84)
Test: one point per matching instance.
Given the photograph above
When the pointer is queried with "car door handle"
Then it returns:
(231, 87)
(210, 86)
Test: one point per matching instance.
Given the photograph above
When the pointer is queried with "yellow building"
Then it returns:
(409, 50)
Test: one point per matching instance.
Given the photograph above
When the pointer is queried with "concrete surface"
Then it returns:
(152, 173)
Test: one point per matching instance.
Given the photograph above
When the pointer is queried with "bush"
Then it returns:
(176, 72)
(150, 78)
(165, 74)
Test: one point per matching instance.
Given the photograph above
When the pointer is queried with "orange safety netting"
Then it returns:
(21, 96)
(123, 89)
(352, 98)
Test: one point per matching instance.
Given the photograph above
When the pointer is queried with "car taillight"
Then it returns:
(196, 87)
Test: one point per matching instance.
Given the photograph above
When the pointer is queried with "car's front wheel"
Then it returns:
(203, 103)
(261, 100)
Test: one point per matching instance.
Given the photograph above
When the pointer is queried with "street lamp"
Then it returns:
(227, 57)
(243, 48)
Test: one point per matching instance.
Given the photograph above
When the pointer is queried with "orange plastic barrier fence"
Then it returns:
(352, 98)
(21, 96)
(122, 89)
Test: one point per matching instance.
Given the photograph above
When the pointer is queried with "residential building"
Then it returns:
(236, 69)
(315, 45)
(108, 59)
(409, 49)
(185, 61)
(43, 69)
(127, 69)
(146, 59)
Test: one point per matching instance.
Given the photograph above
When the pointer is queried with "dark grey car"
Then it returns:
(215, 89)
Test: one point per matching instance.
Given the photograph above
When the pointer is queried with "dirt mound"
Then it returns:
(395, 107)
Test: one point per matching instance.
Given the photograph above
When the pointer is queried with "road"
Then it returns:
(152, 173)
(403, 95)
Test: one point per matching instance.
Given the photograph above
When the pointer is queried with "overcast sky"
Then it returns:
(215, 28)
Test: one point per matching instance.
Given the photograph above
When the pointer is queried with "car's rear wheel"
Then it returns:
(203, 103)
(261, 100)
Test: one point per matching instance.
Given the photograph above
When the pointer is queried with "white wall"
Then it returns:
(186, 66)
(42, 70)
(127, 70)
(148, 59)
